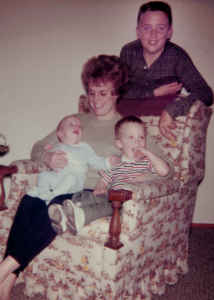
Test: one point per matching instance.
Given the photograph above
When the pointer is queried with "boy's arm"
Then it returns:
(166, 124)
(168, 89)
(195, 85)
(151, 146)
(160, 166)
(183, 69)
(126, 56)
(198, 90)
(132, 56)
(101, 187)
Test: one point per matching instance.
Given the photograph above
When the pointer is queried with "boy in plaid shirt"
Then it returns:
(159, 67)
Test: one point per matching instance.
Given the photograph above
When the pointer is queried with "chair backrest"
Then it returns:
(173, 148)
(187, 149)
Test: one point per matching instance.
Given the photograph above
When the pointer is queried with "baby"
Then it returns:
(71, 179)
(135, 160)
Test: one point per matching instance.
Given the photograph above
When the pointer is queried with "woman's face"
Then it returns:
(102, 99)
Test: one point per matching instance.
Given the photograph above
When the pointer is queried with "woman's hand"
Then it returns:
(166, 124)
(55, 160)
(168, 89)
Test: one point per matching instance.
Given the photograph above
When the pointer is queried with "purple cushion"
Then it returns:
(144, 107)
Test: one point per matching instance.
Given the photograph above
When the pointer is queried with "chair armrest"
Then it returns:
(145, 190)
(4, 170)
(29, 166)
(25, 174)
(152, 189)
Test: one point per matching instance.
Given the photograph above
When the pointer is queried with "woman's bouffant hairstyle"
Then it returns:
(106, 68)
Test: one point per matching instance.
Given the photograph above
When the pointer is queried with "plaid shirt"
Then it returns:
(173, 65)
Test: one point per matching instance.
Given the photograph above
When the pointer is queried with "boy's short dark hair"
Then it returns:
(125, 120)
(155, 6)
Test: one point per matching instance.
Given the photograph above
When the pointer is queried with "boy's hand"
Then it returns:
(168, 89)
(166, 124)
(48, 146)
(140, 152)
(112, 160)
(101, 187)
(99, 192)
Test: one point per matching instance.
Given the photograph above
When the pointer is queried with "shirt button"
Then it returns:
(145, 67)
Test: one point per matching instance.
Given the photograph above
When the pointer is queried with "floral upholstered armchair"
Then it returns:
(154, 227)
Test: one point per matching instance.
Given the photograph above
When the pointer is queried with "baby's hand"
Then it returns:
(112, 160)
(99, 192)
(48, 146)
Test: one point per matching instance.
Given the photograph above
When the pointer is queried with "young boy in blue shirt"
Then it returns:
(159, 67)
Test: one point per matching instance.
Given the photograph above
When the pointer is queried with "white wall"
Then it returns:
(43, 45)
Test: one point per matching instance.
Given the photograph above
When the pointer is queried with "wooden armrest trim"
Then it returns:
(5, 170)
(117, 197)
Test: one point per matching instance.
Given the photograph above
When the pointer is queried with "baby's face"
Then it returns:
(132, 136)
(70, 132)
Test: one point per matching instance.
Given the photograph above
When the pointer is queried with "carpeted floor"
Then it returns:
(198, 284)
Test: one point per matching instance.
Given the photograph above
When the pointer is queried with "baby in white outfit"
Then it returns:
(72, 177)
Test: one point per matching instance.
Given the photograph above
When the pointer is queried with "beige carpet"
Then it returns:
(17, 294)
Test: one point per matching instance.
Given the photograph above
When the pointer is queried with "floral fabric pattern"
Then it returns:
(154, 228)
